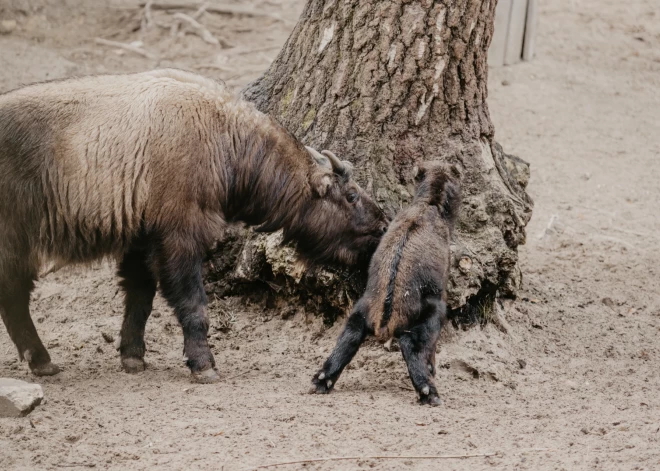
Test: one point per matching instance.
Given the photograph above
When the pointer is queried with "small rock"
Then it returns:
(18, 398)
(7, 26)
(506, 83)
(522, 363)
(608, 302)
(108, 337)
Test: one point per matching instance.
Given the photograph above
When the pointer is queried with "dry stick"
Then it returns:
(128, 47)
(547, 228)
(223, 10)
(237, 376)
(76, 465)
(147, 15)
(240, 50)
(349, 458)
(197, 27)
(198, 14)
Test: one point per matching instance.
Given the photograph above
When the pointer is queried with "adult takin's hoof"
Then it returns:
(47, 369)
(206, 377)
(133, 365)
(321, 384)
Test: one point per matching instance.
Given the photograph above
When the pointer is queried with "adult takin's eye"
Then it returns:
(352, 197)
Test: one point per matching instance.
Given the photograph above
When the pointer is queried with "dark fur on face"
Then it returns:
(149, 168)
(406, 292)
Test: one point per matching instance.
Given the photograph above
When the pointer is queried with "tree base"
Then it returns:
(484, 262)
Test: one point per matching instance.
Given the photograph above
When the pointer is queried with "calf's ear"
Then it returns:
(419, 172)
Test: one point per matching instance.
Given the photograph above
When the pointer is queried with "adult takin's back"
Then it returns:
(406, 291)
(149, 168)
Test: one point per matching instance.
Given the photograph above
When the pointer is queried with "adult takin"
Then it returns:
(148, 169)
(406, 291)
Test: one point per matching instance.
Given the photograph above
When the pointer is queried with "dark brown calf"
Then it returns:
(405, 296)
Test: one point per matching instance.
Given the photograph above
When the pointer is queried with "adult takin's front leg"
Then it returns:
(139, 286)
(180, 275)
(354, 333)
(418, 346)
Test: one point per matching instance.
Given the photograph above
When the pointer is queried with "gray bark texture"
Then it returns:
(387, 84)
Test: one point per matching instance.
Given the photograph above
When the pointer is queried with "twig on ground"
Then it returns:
(213, 66)
(240, 50)
(238, 375)
(548, 227)
(127, 47)
(198, 14)
(352, 458)
(146, 18)
(76, 465)
(198, 29)
(220, 9)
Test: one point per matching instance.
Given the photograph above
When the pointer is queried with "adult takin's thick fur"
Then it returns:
(149, 168)
(406, 292)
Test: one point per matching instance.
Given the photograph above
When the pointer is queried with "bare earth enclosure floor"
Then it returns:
(573, 385)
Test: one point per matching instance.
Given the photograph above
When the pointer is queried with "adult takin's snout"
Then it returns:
(406, 291)
(149, 168)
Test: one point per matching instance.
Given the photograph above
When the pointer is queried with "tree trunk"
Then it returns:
(387, 84)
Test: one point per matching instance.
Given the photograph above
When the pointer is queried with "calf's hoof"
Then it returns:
(430, 400)
(47, 369)
(133, 365)
(321, 384)
(206, 377)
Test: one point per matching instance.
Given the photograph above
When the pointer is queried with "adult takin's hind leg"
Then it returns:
(354, 333)
(139, 287)
(182, 286)
(15, 312)
(418, 348)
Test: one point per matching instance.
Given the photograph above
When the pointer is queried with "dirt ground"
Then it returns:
(573, 385)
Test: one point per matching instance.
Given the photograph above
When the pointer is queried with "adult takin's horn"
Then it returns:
(318, 157)
(341, 167)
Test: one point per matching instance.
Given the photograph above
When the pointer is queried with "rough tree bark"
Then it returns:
(386, 84)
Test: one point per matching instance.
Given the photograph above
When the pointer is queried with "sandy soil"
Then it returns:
(573, 385)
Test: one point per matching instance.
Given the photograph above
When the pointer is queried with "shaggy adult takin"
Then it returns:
(405, 296)
(149, 168)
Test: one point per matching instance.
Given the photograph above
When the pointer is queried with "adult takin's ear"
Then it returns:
(321, 182)
(419, 172)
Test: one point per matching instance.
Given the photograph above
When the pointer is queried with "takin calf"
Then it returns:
(405, 296)
(149, 168)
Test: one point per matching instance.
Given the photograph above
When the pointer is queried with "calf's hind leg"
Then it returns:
(15, 312)
(347, 346)
(418, 348)
(182, 286)
(139, 287)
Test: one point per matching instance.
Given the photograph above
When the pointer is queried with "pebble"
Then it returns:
(18, 398)
(7, 26)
